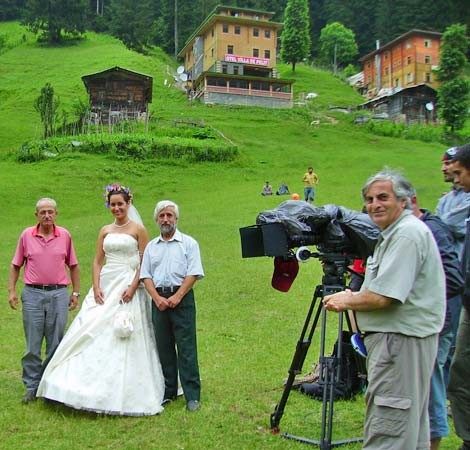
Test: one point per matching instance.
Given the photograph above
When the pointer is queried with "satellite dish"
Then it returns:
(429, 106)
(184, 77)
(180, 69)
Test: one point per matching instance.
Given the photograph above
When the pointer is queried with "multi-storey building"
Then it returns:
(231, 58)
(406, 61)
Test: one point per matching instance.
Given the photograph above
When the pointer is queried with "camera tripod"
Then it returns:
(330, 366)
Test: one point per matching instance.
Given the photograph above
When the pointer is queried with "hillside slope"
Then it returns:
(27, 66)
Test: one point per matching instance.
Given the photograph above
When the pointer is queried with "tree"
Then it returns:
(51, 18)
(337, 45)
(47, 105)
(295, 38)
(453, 94)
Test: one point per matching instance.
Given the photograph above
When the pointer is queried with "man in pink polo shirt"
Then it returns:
(45, 250)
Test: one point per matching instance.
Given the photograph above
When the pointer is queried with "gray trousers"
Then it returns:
(399, 371)
(44, 316)
(459, 379)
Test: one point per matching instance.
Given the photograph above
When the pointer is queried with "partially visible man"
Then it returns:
(170, 266)
(452, 209)
(400, 310)
(45, 250)
(310, 180)
(454, 283)
(459, 378)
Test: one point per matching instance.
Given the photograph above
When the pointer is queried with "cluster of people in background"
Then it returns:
(310, 180)
(134, 339)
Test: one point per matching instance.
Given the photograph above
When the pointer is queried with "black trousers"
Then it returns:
(175, 333)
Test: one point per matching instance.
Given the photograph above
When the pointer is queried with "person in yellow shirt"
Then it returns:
(310, 179)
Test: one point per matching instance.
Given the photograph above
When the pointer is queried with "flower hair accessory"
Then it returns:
(116, 189)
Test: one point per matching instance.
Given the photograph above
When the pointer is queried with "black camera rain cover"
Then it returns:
(331, 222)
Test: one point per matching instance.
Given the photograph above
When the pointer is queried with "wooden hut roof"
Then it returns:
(121, 73)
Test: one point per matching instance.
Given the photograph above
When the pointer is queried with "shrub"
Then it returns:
(132, 146)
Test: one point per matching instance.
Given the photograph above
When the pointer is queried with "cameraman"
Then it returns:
(400, 309)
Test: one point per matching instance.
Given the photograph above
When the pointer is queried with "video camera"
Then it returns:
(331, 228)
(339, 234)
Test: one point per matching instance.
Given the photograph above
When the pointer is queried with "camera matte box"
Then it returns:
(264, 240)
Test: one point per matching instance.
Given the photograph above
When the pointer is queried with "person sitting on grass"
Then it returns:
(283, 190)
(267, 189)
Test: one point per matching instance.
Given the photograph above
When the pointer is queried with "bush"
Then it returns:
(137, 147)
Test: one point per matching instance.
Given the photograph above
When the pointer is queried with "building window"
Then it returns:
(427, 43)
(267, 34)
(212, 52)
(427, 77)
(397, 82)
(237, 29)
(256, 52)
(230, 49)
(409, 77)
(235, 70)
(408, 60)
(212, 32)
(408, 44)
(225, 28)
(427, 59)
(386, 56)
(368, 64)
(267, 54)
(224, 68)
(386, 70)
(256, 32)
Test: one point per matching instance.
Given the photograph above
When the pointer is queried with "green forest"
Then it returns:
(169, 23)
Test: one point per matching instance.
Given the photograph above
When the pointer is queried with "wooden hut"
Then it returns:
(118, 94)
(415, 104)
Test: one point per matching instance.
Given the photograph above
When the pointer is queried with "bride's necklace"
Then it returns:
(123, 225)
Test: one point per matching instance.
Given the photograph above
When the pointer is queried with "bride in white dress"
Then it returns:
(94, 368)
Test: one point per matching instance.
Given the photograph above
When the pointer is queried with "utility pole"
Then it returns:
(176, 28)
(334, 60)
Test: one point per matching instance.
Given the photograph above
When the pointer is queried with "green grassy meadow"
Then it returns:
(247, 331)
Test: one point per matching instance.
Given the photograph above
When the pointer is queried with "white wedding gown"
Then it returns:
(93, 369)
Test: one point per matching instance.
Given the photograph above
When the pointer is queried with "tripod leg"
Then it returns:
(298, 359)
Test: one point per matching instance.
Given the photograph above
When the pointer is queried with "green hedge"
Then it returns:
(134, 146)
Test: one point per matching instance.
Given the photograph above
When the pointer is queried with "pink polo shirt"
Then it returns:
(44, 260)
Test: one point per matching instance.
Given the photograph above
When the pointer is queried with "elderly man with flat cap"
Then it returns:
(46, 251)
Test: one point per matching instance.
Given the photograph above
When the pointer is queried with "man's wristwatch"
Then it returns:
(76, 294)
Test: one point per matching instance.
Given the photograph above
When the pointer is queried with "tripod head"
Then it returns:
(334, 264)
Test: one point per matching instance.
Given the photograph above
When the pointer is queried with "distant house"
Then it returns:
(231, 59)
(405, 62)
(118, 94)
(410, 105)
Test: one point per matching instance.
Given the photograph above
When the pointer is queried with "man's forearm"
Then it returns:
(358, 301)
(13, 278)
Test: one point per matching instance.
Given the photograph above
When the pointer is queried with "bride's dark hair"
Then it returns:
(113, 189)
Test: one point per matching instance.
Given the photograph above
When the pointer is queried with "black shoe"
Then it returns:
(30, 396)
(166, 401)
(193, 405)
